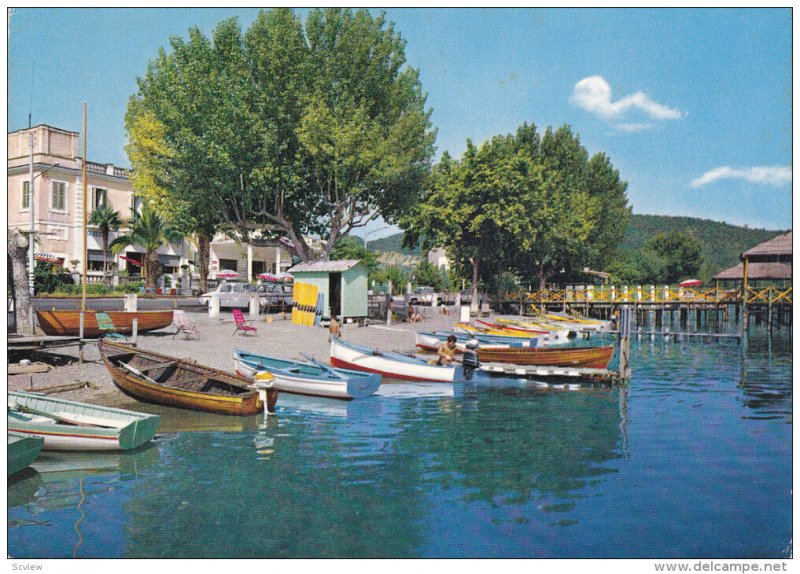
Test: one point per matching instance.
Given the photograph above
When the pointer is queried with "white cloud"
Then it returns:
(593, 94)
(777, 175)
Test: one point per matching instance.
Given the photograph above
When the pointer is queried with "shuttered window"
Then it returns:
(26, 195)
(58, 201)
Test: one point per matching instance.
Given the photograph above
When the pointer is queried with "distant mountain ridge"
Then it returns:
(722, 242)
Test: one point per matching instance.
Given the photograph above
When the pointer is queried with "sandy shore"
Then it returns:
(276, 336)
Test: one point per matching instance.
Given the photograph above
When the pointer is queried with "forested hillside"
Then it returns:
(722, 243)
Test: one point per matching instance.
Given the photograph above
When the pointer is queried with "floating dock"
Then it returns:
(547, 373)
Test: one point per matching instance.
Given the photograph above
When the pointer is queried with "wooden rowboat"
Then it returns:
(22, 451)
(583, 357)
(71, 425)
(308, 378)
(62, 322)
(162, 379)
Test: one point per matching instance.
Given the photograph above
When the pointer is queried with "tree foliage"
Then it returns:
(534, 205)
(349, 247)
(286, 130)
(681, 253)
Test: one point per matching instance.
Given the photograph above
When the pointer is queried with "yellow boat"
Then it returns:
(554, 331)
(472, 329)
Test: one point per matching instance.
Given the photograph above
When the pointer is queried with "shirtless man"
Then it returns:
(447, 351)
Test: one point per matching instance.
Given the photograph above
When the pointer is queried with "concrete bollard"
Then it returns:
(131, 302)
(254, 305)
(465, 313)
(213, 306)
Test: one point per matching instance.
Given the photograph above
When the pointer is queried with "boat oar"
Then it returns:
(323, 365)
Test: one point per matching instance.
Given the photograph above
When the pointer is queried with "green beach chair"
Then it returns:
(106, 325)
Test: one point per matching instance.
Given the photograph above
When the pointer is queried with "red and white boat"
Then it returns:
(347, 355)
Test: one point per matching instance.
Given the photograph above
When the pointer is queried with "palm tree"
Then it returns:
(106, 220)
(149, 231)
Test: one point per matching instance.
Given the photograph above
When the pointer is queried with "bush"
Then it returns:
(132, 287)
(48, 280)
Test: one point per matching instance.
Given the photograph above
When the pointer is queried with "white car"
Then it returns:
(231, 294)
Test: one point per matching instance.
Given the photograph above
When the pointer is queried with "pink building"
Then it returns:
(59, 203)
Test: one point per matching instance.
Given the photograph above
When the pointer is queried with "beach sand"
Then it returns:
(275, 336)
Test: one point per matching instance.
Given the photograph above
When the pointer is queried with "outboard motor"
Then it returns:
(470, 360)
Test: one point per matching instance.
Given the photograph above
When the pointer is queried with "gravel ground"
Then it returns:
(275, 336)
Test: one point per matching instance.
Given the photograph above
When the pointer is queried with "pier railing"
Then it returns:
(651, 294)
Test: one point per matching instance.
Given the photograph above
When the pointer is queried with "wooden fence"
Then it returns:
(651, 295)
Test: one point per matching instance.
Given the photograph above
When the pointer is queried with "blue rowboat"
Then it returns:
(308, 378)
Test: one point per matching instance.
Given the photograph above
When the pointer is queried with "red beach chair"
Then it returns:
(241, 323)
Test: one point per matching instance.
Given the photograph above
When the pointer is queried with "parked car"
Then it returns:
(275, 295)
(424, 295)
(231, 294)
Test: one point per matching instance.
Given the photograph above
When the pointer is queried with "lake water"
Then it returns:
(693, 459)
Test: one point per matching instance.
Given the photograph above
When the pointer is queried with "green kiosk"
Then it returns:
(342, 284)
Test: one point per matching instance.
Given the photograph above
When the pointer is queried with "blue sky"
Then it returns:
(694, 107)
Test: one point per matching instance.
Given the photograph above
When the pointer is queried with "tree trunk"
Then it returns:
(18, 250)
(105, 257)
(203, 256)
(543, 277)
(151, 269)
(475, 269)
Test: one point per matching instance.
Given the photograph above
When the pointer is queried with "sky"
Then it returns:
(692, 106)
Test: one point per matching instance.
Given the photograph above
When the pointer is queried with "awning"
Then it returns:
(47, 258)
(131, 261)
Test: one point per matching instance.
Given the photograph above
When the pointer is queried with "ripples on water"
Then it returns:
(693, 459)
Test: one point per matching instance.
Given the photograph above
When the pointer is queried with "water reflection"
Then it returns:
(60, 491)
(766, 380)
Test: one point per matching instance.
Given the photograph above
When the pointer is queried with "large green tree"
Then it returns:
(285, 131)
(681, 255)
(538, 206)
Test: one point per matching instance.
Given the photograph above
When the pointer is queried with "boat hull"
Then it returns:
(347, 356)
(586, 357)
(67, 323)
(247, 402)
(22, 451)
(354, 385)
(95, 428)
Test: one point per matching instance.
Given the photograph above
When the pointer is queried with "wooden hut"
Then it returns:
(342, 283)
(765, 273)
(770, 261)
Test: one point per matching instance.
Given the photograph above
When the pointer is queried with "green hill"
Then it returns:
(394, 244)
(722, 242)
